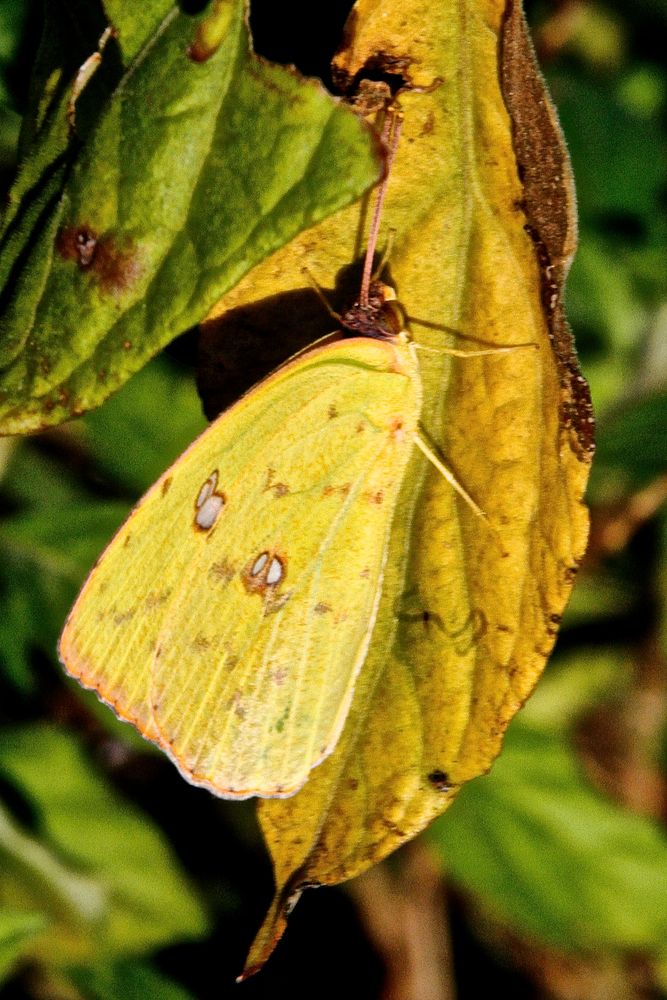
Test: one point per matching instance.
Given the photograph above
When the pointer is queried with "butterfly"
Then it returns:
(230, 616)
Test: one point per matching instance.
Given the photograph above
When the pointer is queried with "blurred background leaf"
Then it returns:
(551, 856)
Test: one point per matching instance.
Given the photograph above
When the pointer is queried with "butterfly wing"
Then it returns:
(230, 615)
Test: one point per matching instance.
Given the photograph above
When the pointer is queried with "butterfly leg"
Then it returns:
(482, 352)
(449, 476)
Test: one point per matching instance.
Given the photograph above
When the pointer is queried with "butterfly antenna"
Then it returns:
(391, 236)
(321, 296)
(390, 136)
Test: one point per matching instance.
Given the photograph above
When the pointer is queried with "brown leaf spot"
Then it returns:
(200, 643)
(332, 412)
(371, 97)
(115, 267)
(127, 540)
(322, 609)
(440, 780)
(166, 485)
(77, 243)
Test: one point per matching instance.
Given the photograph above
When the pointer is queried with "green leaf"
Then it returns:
(203, 161)
(600, 595)
(552, 857)
(573, 683)
(16, 932)
(632, 444)
(608, 143)
(129, 980)
(34, 478)
(145, 427)
(43, 560)
(93, 864)
(49, 545)
(12, 22)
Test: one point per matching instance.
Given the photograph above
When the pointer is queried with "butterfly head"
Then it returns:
(381, 317)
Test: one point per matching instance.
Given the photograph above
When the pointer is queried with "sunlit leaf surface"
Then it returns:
(202, 160)
(469, 610)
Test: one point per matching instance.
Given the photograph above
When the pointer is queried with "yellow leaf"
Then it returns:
(469, 612)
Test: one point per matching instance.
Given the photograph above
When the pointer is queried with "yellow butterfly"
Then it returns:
(231, 614)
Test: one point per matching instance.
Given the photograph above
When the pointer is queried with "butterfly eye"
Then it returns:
(208, 503)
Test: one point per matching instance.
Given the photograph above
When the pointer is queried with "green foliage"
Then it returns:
(551, 856)
(44, 558)
(17, 929)
(159, 412)
(58, 529)
(633, 444)
(113, 246)
(129, 980)
(96, 872)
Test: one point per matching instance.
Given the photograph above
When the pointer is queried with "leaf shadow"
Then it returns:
(244, 345)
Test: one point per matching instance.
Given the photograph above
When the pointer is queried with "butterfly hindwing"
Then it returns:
(229, 617)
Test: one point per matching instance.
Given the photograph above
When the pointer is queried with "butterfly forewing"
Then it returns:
(231, 614)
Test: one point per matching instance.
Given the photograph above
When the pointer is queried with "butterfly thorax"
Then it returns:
(381, 317)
